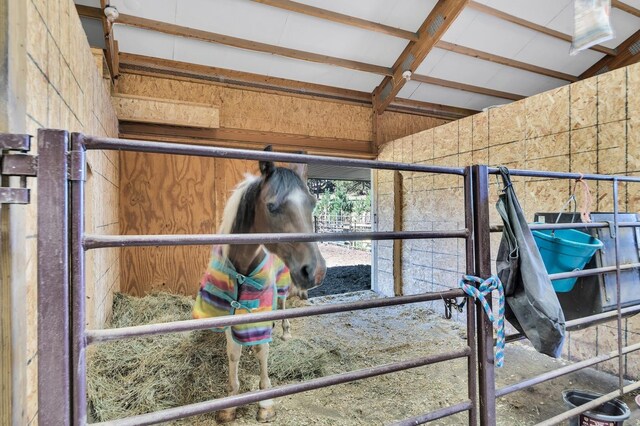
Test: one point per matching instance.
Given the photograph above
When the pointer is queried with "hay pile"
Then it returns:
(137, 376)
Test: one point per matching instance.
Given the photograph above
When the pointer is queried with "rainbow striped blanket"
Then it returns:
(223, 291)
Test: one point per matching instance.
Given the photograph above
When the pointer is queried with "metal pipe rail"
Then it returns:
(284, 390)
(93, 142)
(578, 323)
(564, 371)
(564, 175)
(575, 225)
(110, 334)
(435, 415)
(590, 405)
(593, 271)
(93, 241)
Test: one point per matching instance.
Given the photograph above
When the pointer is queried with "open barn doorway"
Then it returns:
(343, 205)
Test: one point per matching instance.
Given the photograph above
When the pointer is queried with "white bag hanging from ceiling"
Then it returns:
(591, 24)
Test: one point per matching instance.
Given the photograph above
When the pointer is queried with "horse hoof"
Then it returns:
(265, 415)
(226, 416)
(286, 336)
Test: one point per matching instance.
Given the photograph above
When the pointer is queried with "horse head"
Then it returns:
(285, 205)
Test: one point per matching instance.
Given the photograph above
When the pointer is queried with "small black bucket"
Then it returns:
(611, 413)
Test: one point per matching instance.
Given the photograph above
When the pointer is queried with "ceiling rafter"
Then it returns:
(341, 18)
(466, 87)
(145, 65)
(451, 47)
(432, 29)
(139, 64)
(411, 36)
(535, 27)
(625, 8)
(628, 54)
(181, 31)
(111, 46)
(438, 111)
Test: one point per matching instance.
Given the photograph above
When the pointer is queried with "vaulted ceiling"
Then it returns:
(464, 55)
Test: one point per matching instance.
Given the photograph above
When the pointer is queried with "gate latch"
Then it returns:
(15, 161)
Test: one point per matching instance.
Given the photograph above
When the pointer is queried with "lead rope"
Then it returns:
(485, 288)
(587, 201)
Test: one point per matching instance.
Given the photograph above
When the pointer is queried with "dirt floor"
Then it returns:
(393, 334)
(348, 270)
(350, 341)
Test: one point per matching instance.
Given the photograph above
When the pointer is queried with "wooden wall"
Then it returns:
(162, 194)
(66, 90)
(591, 126)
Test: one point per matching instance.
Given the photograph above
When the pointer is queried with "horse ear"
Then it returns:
(267, 167)
(301, 169)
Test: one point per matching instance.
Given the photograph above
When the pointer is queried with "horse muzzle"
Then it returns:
(308, 276)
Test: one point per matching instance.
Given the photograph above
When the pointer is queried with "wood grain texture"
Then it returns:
(251, 110)
(164, 194)
(144, 109)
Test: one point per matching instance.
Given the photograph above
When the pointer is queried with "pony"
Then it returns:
(245, 278)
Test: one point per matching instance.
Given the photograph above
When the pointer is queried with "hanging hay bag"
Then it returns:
(565, 250)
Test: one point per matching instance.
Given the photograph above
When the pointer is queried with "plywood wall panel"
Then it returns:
(162, 194)
(445, 140)
(393, 125)
(584, 139)
(152, 110)
(480, 131)
(612, 96)
(246, 109)
(633, 88)
(66, 91)
(633, 145)
(584, 127)
(465, 134)
(547, 113)
(507, 123)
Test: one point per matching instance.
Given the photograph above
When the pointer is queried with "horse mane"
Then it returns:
(235, 203)
(239, 212)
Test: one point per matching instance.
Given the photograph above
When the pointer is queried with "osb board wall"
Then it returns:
(246, 109)
(163, 194)
(591, 126)
(66, 91)
(152, 110)
(395, 125)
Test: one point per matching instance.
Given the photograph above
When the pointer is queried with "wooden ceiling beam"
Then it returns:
(628, 54)
(432, 29)
(535, 27)
(89, 12)
(156, 67)
(411, 36)
(181, 31)
(465, 87)
(429, 109)
(625, 8)
(111, 47)
(451, 47)
(340, 18)
(146, 65)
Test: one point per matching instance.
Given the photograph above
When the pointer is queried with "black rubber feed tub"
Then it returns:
(611, 413)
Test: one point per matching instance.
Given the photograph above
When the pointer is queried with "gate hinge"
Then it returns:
(18, 164)
(77, 165)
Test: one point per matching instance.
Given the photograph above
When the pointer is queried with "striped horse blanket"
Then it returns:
(223, 291)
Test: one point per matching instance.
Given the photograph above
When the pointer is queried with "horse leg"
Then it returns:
(267, 412)
(286, 326)
(234, 351)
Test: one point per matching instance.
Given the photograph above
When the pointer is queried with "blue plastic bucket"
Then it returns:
(565, 250)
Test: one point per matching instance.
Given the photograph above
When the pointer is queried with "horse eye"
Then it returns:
(272, 208)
